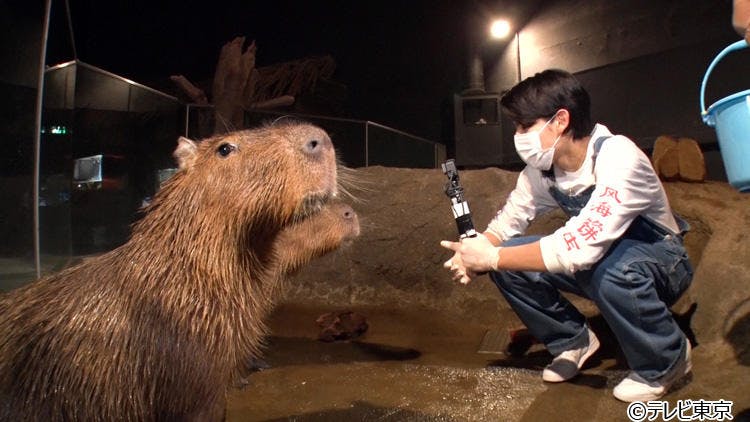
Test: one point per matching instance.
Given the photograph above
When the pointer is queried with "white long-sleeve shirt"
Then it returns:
(626, 186)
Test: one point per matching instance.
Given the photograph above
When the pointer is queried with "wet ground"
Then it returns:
(423, 366)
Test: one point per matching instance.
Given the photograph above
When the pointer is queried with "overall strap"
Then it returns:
(683, 225)
(597, 147)
(550, 174)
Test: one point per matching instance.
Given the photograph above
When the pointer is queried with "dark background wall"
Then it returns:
(642, 61)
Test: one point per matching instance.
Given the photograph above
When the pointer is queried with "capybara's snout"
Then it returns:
(319, 170)
(349, 217)
(317, 146)
(312, 141)
(347, 213)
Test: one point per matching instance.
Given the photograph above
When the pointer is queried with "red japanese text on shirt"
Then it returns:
(590, 228)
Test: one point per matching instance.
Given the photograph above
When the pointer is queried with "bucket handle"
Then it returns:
(739, 45)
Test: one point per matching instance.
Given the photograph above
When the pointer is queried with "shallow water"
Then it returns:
(422, 366)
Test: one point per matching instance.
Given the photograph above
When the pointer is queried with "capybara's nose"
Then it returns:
(317, 146)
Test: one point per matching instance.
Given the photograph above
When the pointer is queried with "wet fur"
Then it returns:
(157, 328)
(299, 243)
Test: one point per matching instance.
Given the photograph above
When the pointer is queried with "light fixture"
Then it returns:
(499, 29)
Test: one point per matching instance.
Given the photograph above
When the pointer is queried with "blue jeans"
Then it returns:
(633, 286)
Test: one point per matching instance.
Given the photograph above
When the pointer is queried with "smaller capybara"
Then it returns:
(316, 236)
(298, 244)
(158, 328)
(313, 237)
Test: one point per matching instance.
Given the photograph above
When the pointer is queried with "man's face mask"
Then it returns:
(529, 148)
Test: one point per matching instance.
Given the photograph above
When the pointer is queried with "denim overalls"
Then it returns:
(641, 275)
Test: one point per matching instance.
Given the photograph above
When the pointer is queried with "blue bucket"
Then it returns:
(731, 118)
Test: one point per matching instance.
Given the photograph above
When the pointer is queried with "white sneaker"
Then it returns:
(635, 388)
(567, 364)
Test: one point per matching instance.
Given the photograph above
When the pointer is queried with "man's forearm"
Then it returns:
(527, 257)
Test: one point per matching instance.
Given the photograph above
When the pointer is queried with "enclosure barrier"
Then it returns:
(359, 143)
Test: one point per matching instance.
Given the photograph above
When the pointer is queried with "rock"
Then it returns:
(346, 325)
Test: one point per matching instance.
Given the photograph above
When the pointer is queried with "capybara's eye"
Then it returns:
(225, 149)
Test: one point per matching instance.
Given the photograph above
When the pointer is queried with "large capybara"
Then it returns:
(158, 328)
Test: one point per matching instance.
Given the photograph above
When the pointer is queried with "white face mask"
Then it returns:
(529, 148)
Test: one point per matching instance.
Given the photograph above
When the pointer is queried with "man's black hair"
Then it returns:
(543, 94)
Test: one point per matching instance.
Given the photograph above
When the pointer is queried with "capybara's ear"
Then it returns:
(185, 153)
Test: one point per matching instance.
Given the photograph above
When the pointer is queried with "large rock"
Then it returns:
(397, 260)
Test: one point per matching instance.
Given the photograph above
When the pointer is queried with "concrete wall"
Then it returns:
(642, 61)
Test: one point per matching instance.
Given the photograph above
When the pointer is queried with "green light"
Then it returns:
(55, 130)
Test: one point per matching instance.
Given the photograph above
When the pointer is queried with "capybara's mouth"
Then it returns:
(312, 204)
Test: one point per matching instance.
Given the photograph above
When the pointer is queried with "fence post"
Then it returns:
(367, 143)
(38, 136)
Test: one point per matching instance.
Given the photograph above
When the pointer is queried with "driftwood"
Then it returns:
(678, 159)
(238, 86)
(231, 81)
(665, 158)
(294, 77)
(195, 94)
(282, 101)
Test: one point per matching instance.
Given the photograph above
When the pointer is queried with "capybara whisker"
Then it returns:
(228, 127)
(350, 182)
(311, 205)
(280, 118)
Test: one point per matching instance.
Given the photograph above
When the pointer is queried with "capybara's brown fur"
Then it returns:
(157, 328)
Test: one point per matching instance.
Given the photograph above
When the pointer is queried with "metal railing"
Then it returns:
(359, 143)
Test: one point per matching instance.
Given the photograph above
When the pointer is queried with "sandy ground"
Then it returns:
(419, 360)
(421, 366)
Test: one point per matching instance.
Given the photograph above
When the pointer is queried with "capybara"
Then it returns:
(298, 244)
(158, 328)
(316, 236)
(310, 238)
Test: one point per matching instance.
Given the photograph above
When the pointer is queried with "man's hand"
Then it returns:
(474, 254)
(460, 273)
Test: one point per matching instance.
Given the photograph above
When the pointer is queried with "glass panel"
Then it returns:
(16, 185)
(388, 147)
(359, 143)
(124, 137)
(55, 158)
(106, 144)
(21, 25)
